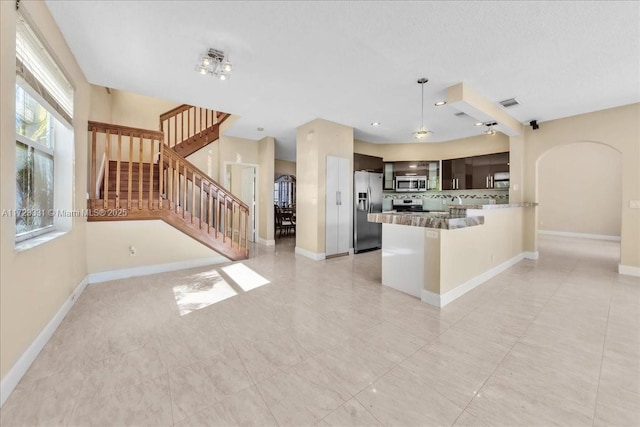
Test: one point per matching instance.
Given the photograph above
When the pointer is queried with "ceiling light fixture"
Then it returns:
(422, 133)
(479, 124)
(440, 103)
(490, 130)
(215, 63)
(375, 124)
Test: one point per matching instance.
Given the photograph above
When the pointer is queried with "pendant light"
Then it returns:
(422, 133)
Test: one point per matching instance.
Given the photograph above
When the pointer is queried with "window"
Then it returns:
(284, 191)
(34, 165)
(44, 138)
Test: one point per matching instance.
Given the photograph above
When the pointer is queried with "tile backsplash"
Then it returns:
(440, 200)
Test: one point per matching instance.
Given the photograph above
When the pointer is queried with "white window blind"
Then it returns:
(36, 66)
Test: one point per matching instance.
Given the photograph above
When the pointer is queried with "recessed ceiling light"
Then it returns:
(479, 124)
(413, 166)
(374, 124)
(440, 103)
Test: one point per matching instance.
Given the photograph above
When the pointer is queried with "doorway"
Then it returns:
(579, 188)
(579, 191)
(241, 180)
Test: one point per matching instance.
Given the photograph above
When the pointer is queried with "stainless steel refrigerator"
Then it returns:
(367, 188)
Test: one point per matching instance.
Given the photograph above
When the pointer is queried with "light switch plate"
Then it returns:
(634, 204)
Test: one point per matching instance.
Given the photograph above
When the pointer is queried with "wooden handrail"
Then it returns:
(169, 153)
(190, 128)
(174, 111)
(126, 130)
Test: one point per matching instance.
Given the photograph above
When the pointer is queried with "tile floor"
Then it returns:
(548, 342)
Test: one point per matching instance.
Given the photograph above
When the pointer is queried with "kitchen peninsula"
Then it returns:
(438, 257)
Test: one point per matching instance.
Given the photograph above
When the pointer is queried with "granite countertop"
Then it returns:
(494, 206)
(443, 221)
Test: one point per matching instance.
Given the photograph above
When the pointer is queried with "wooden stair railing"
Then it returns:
(143, 178)
(187, 128)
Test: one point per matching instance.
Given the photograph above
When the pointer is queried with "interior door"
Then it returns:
(331, 207)
(344, 207)
(337, 206)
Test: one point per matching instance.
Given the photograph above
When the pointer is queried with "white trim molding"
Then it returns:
(431, 298)
(146, 270)
(266, 242)
(17, 371)
(629, 270)
(312, 255)
(579, 235)
(532, 255)
(455, 293)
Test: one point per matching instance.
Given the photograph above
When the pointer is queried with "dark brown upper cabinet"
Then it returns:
(457, 174)
(363, 162)
(486, 167)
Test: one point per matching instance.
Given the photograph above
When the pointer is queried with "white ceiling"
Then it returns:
(358, 62)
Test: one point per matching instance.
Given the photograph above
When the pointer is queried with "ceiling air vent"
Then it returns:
(509, 102)
(462, 114)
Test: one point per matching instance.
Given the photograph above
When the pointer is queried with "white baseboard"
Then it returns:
(312, 255)
(430, 298)
(266, 242)
(17, 371)
(532, 255)
(106, 276)
(455, 293)
(579, 235)
(629, 270)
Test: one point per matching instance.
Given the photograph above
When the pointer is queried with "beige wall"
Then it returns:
(101, 100)
(207, 160)
(472, 146)
(237, 150)
(140, 111)
(615, 127)
(35, 283)
(481, 247)
(155, 242)
(579, 189)
(314, 142)
(516, 167)
(266, 153)
(284, 167)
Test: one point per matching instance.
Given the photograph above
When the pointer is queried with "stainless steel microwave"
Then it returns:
(411, 183)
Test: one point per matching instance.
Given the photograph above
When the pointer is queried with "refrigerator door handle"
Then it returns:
(368, 199)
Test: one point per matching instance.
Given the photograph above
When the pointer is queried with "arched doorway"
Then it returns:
(579, 191)
(284, 199)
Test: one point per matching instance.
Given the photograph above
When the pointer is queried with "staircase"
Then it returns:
(187, 128)
(141, 174)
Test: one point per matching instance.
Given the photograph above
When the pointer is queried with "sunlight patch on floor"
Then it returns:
(245, 277)
(209, 289)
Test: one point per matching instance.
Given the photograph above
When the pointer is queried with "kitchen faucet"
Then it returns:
(457, 197)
